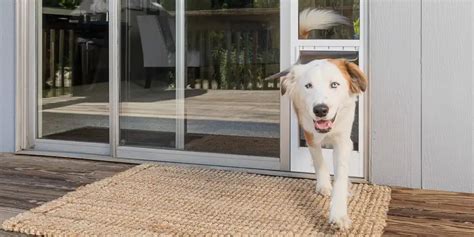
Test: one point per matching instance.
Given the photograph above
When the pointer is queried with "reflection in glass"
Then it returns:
(73, 86)
(231, 47)
(347, 8)
(307, 56)
(148, 83)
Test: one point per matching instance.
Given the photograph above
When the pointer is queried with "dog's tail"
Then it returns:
(313, 19)
(318, 19)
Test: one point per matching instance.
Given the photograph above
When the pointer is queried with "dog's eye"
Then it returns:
(334, 85)
(308, 86)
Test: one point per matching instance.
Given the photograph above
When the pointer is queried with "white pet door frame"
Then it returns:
(300, 156)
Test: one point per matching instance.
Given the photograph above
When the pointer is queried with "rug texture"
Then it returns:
(158, 200)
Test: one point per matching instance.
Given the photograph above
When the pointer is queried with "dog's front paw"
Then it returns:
(324, 189)
(341, 222)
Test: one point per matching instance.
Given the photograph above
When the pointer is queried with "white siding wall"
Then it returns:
(7, 75)
(472, 107)
(395, 78)
(447, 94)
(421, 60)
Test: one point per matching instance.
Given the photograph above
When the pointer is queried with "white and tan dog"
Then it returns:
(324, 95)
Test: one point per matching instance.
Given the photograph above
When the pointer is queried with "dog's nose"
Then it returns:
(321, 110)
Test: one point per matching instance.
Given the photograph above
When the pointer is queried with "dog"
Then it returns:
(324, 95)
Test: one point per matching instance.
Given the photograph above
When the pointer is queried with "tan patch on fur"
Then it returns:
(309, 138)
(356, 79)
(304, 34)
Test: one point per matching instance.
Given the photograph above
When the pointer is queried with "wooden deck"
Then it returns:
(27, 182)
(223, 105)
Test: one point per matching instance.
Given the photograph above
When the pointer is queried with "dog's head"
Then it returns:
(320, 88)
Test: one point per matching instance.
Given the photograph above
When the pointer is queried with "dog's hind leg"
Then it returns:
(338, 208)
(323, 183)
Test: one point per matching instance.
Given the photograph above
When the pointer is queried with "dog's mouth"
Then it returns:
(324, 125)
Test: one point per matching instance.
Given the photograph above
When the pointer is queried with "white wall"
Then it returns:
(421, 60)
(7, 75)
(395, 78)
(447, 95)
(472, 107)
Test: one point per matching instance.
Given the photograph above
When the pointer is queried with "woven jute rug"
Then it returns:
(158, 200)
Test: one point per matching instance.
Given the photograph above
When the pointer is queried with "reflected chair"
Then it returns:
(158, 37)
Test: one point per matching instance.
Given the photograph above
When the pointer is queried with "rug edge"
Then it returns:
(10, 224)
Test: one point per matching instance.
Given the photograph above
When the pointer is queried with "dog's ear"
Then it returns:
(359, 81)
(285, 83)
(288, 82)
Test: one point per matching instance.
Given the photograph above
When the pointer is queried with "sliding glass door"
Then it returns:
(148, 114)
(73, 73)
(231, 46)
(216, 101)
(180, 80)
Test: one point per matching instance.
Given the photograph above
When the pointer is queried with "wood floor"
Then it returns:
(27, 182)
(220, 105)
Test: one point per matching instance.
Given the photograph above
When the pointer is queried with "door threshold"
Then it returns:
(137, 161)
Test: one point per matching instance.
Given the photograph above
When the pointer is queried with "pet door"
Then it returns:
(343, 41)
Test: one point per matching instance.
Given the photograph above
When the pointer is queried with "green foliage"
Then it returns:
(357, 27)
(266, 4)
(239, 65)
(229, 4)
(69, 4)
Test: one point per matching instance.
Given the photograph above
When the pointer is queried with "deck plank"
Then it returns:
(42, 179)
(29, 181)
(426, 212)
(6, 213)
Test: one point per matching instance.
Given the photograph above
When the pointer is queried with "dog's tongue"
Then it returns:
(323, 124)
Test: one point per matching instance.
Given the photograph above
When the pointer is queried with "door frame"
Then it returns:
(300, 156)
(175, 155)
(27, 58)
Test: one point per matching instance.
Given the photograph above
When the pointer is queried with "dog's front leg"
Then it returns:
(338, 209)
(323, 177)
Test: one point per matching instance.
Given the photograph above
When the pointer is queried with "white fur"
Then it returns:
(341, 102)
(317, 19)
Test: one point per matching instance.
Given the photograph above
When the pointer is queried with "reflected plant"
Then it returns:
(356, 24)
(238, 63)
(220, 56)
(227, 4)
(266, 3)
(69, 4)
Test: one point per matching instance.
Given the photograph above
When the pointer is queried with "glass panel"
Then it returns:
(148, 84)
(231, 47)
(347, 8)
(307, 56)
(73, 93)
